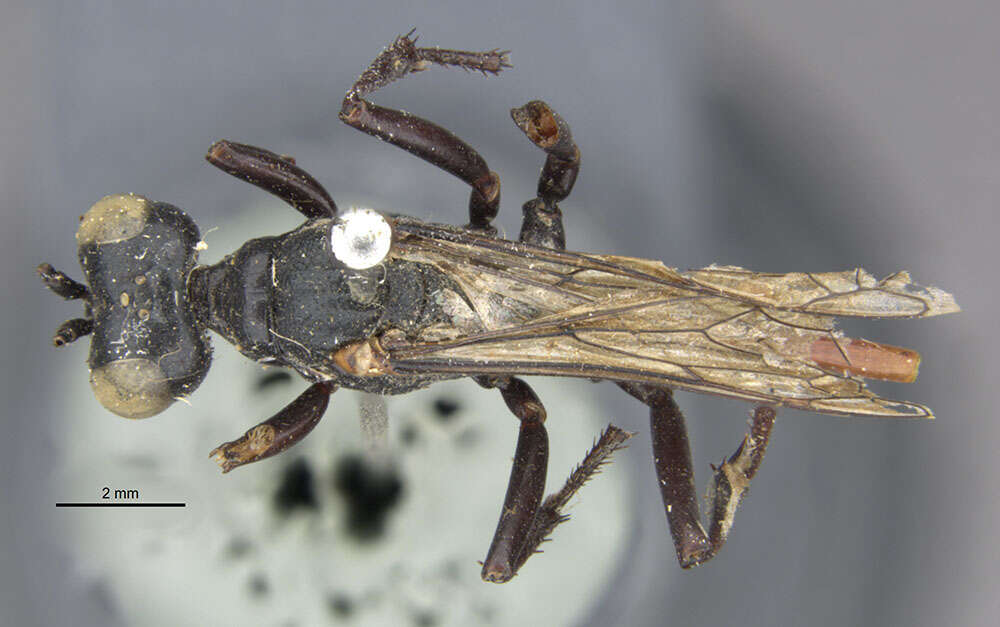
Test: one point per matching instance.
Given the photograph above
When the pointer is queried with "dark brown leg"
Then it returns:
(279, 432)
(524, 495)
(525, 521)
(527, 480)
(420, 137)
(546, 129)
(675, 474)
(274, 173)
(550, 514)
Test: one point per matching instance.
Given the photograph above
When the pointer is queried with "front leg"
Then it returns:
(277, 174)
(418, 136)
(289, 426)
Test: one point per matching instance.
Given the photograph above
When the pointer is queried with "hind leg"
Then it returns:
(542, 224)
(675, 474)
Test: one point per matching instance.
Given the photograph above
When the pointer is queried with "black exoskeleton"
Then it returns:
(148, 348)
(388, 304)
(286, 300)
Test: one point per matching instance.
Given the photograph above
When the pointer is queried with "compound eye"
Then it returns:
(361, 238)
(131, 388)
(114, 218)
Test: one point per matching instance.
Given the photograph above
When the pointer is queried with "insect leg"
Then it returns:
(526, 485)
(420, 137)
(526, 521)
(279, 432)
(675, 474)
(274, 173)
(542, 224)
(550, 514)
(732, 477)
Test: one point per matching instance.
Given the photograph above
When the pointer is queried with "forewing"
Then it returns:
(854, 293)
(726, 331)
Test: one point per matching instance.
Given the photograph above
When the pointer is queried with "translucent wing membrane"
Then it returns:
(853, 293)
(724, 330)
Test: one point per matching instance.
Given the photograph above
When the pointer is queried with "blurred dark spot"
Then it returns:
(296, 489)
(446, 408)
(273, 378)
(468, 437)
(452, 570)
(340, 605)
(153, 547)
(238, 548)
(425, 619)
(258, 585)
(143, 462)
(397, 571)
(100, 591)
(370, 491)
(409, 434)
(486, 613)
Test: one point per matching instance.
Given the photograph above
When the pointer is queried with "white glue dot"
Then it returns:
(361, 238)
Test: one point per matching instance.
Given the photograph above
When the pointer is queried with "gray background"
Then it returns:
(766, 134)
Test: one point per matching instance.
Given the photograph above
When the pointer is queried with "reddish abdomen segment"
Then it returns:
(867, 359)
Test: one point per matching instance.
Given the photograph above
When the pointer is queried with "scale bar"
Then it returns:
(121, 504)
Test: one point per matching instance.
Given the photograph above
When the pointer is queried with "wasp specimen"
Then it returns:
(388, 304)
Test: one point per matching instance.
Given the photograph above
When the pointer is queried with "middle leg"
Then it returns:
(526, 485)
(525, 521)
